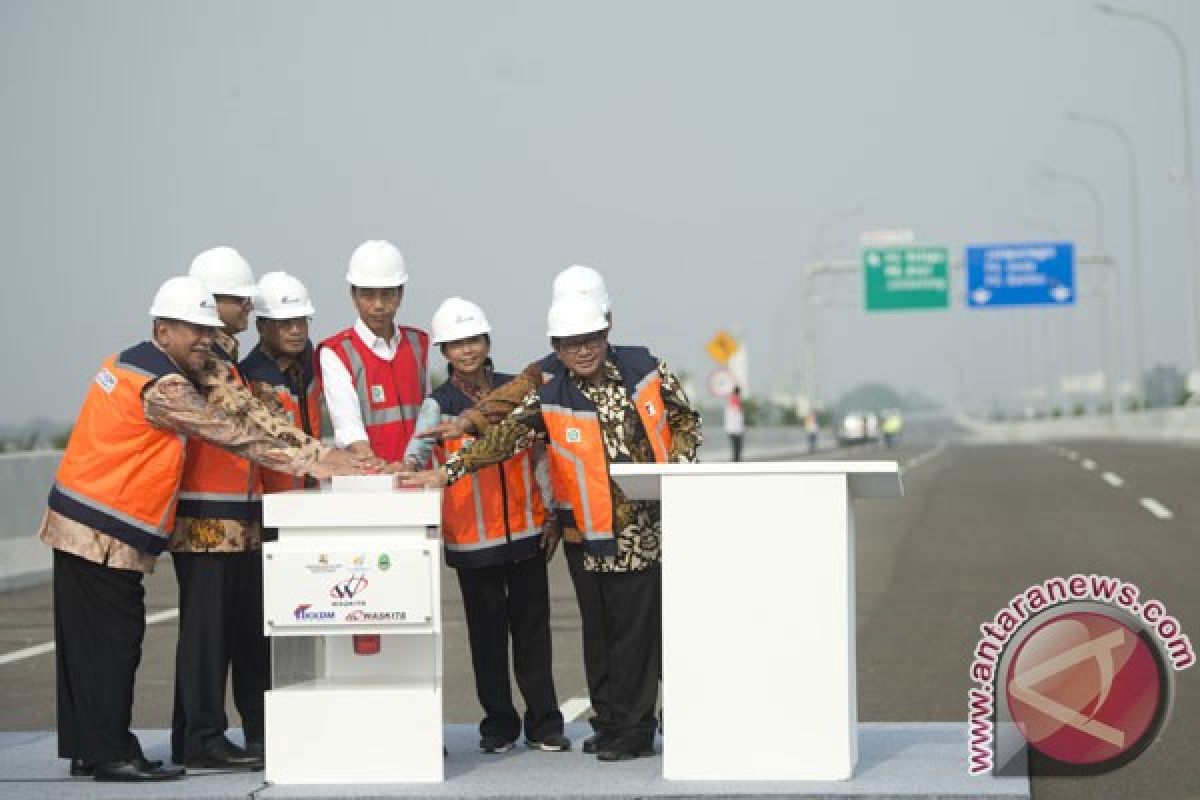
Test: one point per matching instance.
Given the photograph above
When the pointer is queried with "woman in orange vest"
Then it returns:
(607, 405)
(492, 529)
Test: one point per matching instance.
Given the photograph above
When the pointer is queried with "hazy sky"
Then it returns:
(688, 150)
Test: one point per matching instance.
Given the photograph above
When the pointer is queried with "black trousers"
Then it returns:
(504, 600)
(220, 627)
(735, 442)
(99, 622)
(595, 647)
(632, 604)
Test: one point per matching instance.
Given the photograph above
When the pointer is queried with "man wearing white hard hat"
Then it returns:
(216, 549)
(374, 373)
(111, 511)
(606, 405)
(282, 366)
(492, 529)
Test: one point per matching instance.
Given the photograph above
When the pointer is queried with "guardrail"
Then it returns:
(25, 480)
(1167, 424)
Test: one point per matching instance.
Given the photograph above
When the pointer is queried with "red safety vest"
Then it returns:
(302, 404)
(389, 392)
(578, 459)
(120, 474)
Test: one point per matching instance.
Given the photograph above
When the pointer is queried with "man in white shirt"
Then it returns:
(375, 373)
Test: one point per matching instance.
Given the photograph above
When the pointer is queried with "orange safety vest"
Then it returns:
(389, 392)
(216, 483)
(494, 515)
(302, 404)
(578, 459)
(120, 474)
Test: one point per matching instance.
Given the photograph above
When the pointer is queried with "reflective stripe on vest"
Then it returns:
(216, 483)
(578, 457)
(494, 515)
(120, 474)
(390, 419)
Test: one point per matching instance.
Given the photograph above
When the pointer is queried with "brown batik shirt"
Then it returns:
(637, 523)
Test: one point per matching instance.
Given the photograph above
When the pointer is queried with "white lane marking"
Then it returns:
(1112, 479)
(921, 458)
(573, 709)
(28, 652)
(1071, 454)
(48, 647)
(1156, 508)
(162, 616)
(1087, 463)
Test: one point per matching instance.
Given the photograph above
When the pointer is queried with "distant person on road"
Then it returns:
(112, 510)
(892, 424)
(811, 430)
(492, 528)
(606, 405)
(735, 422)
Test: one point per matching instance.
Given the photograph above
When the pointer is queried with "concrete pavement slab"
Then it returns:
(902, 760)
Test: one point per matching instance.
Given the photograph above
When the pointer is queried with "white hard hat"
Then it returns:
(582, 280)
(458, 319)
(282, 296)
(376, 264)
(185, 298)
(224, 271)
(573, 314)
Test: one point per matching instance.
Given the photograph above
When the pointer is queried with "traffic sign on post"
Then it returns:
(721, 347)
(906, 278)
(1021, 274)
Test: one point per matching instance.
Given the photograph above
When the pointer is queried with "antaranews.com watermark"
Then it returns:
(1077, 668)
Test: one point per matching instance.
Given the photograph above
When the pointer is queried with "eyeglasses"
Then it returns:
(577, 344)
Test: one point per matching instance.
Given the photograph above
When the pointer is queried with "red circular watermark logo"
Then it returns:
(1084, 688)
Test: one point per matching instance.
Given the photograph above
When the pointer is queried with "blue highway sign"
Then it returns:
(1021, 274)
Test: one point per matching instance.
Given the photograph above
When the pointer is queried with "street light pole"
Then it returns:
(1135, 234)
(1189, 175)
(1051, 174)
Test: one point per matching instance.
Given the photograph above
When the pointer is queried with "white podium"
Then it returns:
(361, 560)
(758, 614)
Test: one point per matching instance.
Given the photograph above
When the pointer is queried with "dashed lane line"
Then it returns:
(48, 647)
(921, 458)
(1114, 480)
(1087, 463)
(1156, 508)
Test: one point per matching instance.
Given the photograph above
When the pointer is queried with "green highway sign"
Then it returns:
(906, 278)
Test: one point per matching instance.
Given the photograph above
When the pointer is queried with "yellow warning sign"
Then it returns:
(722, 347)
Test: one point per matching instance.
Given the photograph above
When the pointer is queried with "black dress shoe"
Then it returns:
(224, 754)
(593, 743)
(256, 748)
(624, 748)
(86, 769)
(137, 770)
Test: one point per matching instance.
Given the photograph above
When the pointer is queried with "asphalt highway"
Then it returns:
(977, 525)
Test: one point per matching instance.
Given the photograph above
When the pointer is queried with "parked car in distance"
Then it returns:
(858, 427)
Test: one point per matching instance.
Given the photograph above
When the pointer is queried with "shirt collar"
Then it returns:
(369, 338)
